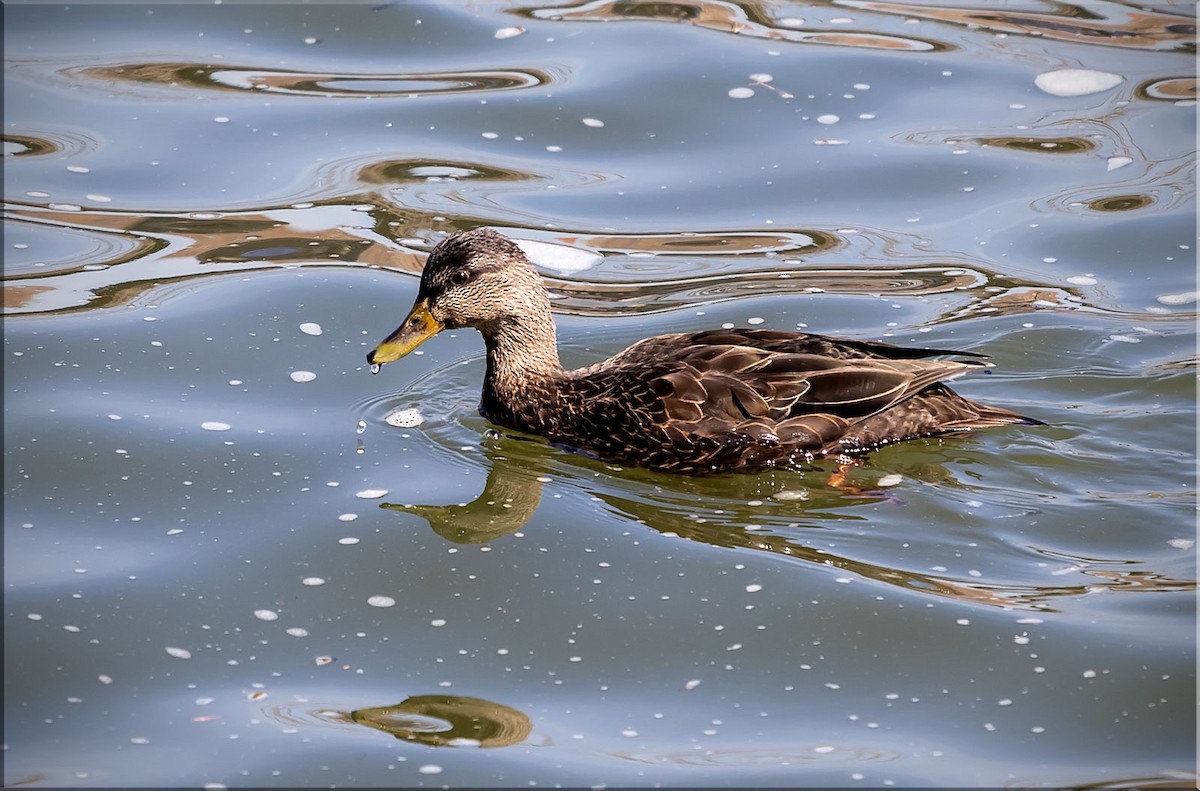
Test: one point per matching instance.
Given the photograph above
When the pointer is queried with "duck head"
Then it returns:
(476, 278)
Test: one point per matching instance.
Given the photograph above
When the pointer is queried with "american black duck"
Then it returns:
(704, 402)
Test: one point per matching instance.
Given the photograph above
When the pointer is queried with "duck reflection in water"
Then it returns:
(520, 467)
(519, 470)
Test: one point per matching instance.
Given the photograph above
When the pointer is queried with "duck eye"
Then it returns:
(459, 277)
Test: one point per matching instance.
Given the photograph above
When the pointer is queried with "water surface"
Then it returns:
(224, 566)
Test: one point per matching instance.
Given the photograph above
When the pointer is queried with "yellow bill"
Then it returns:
(419, 327)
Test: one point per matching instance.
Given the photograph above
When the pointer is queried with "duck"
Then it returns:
(695, 403)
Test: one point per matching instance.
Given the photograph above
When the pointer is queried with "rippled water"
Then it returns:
(224, 564)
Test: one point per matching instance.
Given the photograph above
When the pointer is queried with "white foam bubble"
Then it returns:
(1076, 82)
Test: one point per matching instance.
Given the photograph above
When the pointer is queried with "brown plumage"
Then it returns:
(712, 401)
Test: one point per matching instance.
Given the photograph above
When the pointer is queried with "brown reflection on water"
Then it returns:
(753, 19)
(1164, 185)
(402, 171)
(328, 85)
(1041, 145)
(161, 249)
(600, 299)
(1120, 203)
(710, 243)
(27, 145)
(448, 721)
(1110, 24)
(1014, 301)
(634, 273)
(431, 720)
(512, 493)
(16, 297)
(514, 488)
(1169, 89)
(28, 140)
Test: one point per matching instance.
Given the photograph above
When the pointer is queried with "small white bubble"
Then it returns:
(178, 653)
(381, 601)
(829, 118)
(507, 32)
(311, 328)
(266, 615)
(595, 123)
(302, 376)
(741, 93)
(215, 425)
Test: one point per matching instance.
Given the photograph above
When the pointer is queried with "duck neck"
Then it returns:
(522, 357)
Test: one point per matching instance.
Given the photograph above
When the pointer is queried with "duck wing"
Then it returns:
(747, 399)
(809, 343)
(800, 399)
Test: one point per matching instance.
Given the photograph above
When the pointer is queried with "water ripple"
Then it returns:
(39, 249)
(1165, 184)
(37, 141)
(648, 296)
(325, 85)
(1107, 24)
(73, 257)
(1168, 89)
(799, 757)
(746, 20)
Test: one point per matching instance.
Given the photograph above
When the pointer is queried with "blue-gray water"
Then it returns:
(205, 585)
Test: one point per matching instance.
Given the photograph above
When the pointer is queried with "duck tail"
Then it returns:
(987, 416)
